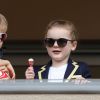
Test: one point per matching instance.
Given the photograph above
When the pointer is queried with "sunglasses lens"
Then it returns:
(49, 42)
(62, 42)
(3, 37)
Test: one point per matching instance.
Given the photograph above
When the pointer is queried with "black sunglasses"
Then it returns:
(3, 36)
(62, 42)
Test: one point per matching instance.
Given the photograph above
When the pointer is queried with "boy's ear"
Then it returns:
(74, 45)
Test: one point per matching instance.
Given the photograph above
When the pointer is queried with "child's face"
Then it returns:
(60, 51)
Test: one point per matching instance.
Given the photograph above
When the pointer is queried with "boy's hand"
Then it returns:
(78, 79)
(30, 73)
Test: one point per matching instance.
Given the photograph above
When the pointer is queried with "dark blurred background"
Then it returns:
(27, 21)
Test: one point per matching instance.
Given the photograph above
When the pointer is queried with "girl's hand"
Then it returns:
(6, 67)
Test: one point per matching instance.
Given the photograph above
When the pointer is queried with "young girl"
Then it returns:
(60, 40)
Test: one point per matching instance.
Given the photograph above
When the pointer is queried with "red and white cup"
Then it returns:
(3, 75)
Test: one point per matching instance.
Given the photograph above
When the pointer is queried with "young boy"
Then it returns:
(60, 40)
(6, 69)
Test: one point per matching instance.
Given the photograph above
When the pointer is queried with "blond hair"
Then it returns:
(66, 24)
(3, 24)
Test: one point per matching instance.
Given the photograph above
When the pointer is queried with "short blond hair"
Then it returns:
(3, 24)
(66, 24)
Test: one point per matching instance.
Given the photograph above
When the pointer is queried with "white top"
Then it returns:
(56, 74)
